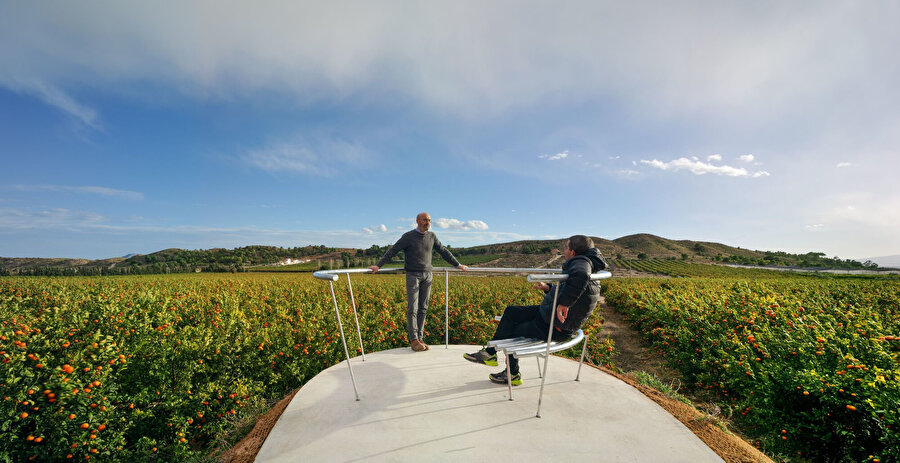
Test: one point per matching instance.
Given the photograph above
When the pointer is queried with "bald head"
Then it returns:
(423, 222)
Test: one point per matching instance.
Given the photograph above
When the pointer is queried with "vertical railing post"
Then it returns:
(583, 351)
(356, 318)
(343, 339)
(446, 309)
(547, 354)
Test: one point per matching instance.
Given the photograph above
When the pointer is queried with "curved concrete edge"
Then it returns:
(435, 406)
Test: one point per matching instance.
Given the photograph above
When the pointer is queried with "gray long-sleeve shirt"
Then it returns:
(417, 247)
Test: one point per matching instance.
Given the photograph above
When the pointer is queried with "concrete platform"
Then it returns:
(435, 406)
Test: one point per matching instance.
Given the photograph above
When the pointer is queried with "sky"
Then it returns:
(131, 127)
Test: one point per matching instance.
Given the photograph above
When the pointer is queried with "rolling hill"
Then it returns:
(527, 253)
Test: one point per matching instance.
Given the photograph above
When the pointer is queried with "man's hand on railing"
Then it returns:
(374, 268)
(463, 267)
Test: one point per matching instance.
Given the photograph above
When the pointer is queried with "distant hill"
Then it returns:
(884, 261)
(527, 253)
(169, 261)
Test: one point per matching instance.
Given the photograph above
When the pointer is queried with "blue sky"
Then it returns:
(131, 127)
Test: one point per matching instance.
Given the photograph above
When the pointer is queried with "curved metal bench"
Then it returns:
(531, 347)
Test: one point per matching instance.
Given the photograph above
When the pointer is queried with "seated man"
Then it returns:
(578, 295)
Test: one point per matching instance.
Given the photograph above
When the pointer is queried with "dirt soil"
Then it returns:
(629, 356)
(245, 451)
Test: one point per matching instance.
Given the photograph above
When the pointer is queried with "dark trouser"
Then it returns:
(525, 321)
(418, 290)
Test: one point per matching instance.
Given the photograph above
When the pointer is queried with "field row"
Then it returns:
(808, 366)
(679, 268)
(167, 367)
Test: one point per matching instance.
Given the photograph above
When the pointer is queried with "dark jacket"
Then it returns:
(579, 293)
(417, 248)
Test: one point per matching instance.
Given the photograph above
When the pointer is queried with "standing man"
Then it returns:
(417, 246)
(578, 295)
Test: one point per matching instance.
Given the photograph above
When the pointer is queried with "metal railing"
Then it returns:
(536, 275)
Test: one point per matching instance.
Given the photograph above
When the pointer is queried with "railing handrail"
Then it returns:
(537, 274)
(333, 275)
(548, 275)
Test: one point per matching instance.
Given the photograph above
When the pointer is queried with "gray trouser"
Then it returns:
(418, 290)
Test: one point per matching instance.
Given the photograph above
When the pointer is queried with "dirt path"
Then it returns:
(630, 356)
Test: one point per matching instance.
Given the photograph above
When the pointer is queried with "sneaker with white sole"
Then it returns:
(482, 357)
(500, 378)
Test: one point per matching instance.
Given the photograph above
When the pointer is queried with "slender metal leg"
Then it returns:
(547, 354)
(343, 339)
(446, 309)
(508, 377)
(356, 317)
(583, 351)
(538, 358)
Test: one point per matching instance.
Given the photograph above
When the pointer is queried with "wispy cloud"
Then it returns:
(698, 167)
(844, 164)
(455, 224)
(160, 236)
(97, 190)
(713, 157)
(56, 218)
(746, 158)
(321, 157)
(376, 228)
(555, 157)
(58, 99)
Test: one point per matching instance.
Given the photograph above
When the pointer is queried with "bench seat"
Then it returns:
(532, 347)
(528, 347)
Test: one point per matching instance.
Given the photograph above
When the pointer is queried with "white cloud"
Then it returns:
(844, 164)
(89, 229)
(479, 60)
(56, 98)
(455, 224)
(555, 157)
(377, 228)
(701, 168)
(714, 157)
(98, 190)
(56, 218)
(321, 157)
(628, 173)
(286, 158)
(817, 226)
(747, 158)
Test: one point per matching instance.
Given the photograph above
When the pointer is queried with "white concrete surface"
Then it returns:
(435, 406)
